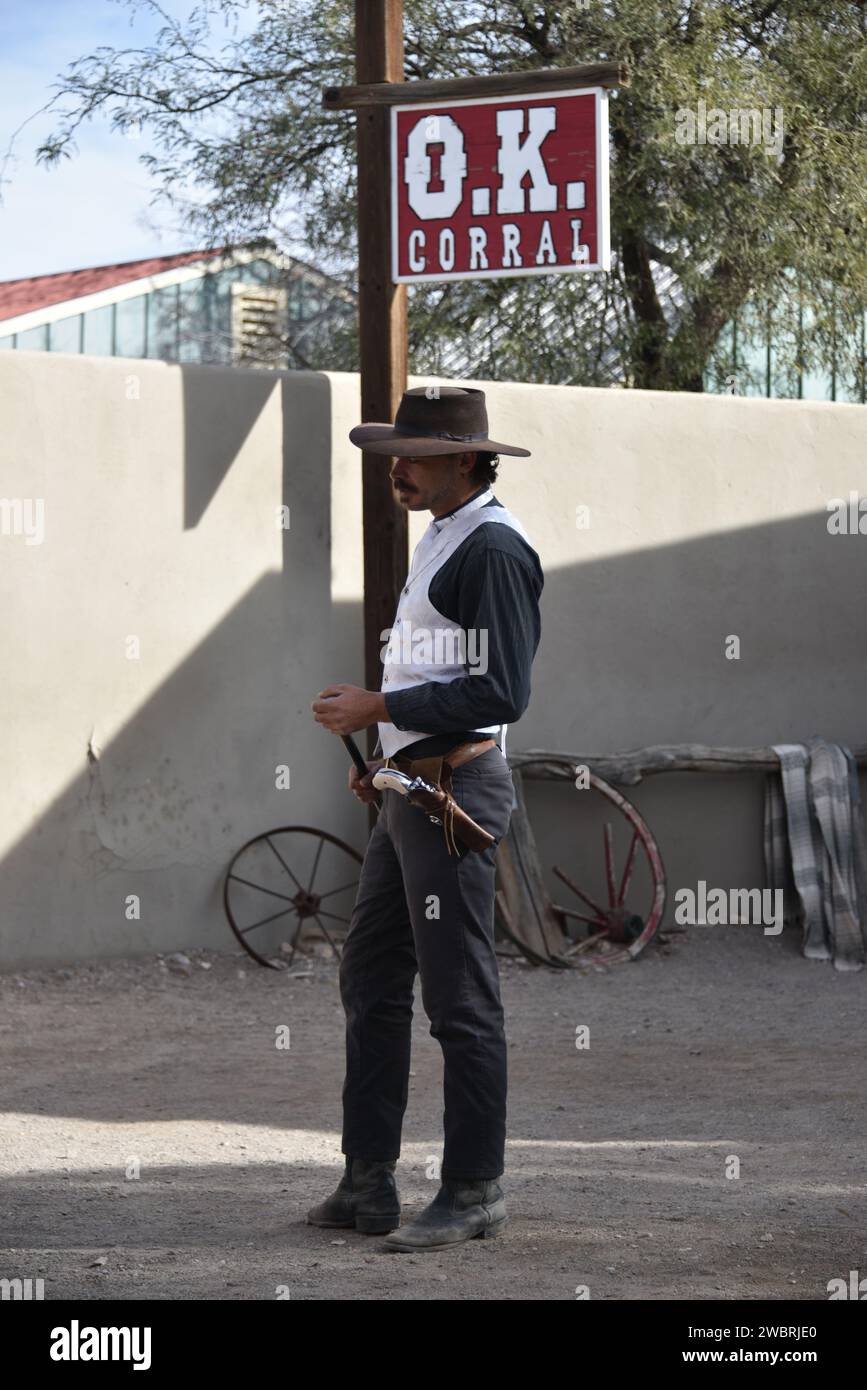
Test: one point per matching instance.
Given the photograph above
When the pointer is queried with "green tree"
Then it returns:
(699, 231)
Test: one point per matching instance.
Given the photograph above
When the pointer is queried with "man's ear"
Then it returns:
(467, 463)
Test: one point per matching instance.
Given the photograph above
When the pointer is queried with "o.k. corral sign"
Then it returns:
(498, 186)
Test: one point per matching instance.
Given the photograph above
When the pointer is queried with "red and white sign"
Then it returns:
(499, 186)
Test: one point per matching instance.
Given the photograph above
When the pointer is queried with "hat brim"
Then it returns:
(385, 439)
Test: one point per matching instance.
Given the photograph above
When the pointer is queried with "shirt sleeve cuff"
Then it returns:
(405, 708)
(393, 705)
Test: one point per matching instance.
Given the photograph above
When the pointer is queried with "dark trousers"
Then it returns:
(420, 910)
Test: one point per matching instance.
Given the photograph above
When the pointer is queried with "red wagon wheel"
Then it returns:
(621, 920)
(286, 877)
(617, 921)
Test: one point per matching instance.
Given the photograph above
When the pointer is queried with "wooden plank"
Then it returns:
(382, 329)
(375, 92)
(512, 932)
(627, 769)
(528, 914)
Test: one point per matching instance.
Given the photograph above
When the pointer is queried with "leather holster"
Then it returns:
(438, 802)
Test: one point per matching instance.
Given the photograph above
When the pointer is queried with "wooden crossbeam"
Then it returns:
(527, 83)
(628, 769)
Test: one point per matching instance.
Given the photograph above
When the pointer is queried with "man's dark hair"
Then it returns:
(485, 469)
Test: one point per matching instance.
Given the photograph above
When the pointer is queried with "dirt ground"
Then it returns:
(157, 1143)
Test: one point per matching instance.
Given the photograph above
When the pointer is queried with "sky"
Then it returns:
(94, 209)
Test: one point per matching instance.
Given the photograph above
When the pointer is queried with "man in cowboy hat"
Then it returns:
(425, 904)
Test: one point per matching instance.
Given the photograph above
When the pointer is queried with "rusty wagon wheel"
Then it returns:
(279, 880)
(616, 921)
(621, 920)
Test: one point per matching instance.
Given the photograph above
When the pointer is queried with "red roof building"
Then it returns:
(229, 305)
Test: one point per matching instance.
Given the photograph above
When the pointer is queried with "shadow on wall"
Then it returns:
(159, 810)
(633, 653)
(230, 416)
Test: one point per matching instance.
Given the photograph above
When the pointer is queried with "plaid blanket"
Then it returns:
(815, 849)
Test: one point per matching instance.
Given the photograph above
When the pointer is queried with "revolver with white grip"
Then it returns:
(440, 807)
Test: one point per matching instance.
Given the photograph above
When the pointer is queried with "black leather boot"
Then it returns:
(366, 1199)
(460, 1211)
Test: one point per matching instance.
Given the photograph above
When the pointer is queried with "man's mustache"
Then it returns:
(396, 482)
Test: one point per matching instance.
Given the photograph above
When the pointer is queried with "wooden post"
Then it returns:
(382, 328)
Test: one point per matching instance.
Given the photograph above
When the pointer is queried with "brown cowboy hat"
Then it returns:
(434, 420)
